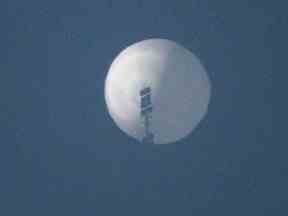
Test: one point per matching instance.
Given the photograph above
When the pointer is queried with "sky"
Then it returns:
(62, 154)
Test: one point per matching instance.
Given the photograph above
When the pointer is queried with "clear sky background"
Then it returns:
(61, 153)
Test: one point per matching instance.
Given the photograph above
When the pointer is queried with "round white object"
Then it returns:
(180, 90)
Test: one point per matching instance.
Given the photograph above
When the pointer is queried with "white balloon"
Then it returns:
(180, 90)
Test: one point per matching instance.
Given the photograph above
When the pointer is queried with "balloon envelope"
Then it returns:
(179, 90)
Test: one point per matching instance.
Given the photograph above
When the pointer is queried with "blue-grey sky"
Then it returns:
(61, 153)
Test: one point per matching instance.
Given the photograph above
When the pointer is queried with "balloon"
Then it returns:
(157, 91)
